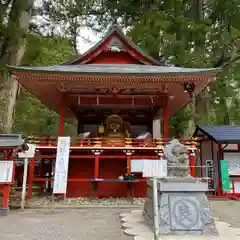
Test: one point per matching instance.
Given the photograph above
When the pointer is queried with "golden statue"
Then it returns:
(115, 129)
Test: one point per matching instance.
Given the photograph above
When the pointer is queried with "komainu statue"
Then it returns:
(178, 161)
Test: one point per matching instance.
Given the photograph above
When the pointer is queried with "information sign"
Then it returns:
(29, 153)
(61, 167)
(210, 174)
(6, 171)
(155, 168)
(225, 175)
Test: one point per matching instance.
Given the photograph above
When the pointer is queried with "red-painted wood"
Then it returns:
(111, 168)
(103, 47)
(220, 157)
(6, 194)
(140, 189)
(192, 164)
(96, 166)
(128, 163)
(80, 168)
(114, 58)
(165, 119)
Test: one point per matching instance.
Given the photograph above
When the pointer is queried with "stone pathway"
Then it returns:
(90, 224)
(227, 211)
(135, 226)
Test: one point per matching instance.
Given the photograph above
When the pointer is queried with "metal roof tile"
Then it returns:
(222, 134)
(116, 69)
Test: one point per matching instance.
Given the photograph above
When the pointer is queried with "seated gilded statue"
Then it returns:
(115, 128)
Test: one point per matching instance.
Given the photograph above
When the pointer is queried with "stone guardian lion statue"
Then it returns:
(177, 158)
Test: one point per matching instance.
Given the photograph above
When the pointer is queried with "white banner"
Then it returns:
(6, 171)
(61, 167)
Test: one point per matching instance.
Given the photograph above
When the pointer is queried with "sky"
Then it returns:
(87, 33)
(83, 45)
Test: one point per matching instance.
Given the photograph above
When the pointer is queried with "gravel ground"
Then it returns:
(227, 211)
(86, 224)
(92, 224)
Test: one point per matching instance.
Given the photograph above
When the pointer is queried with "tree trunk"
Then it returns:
(13, 49)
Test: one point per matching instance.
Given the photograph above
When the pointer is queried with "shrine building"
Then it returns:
(120, 97)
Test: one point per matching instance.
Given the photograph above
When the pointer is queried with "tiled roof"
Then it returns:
(12, 141)
(220, 134)
(116, 69)
(116, 29)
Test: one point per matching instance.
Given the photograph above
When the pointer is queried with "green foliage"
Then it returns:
(190, 34)
(32, 117)
(187, 33)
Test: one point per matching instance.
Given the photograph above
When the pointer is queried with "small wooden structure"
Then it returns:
(10, 145)
(218, 143)
(116, 92)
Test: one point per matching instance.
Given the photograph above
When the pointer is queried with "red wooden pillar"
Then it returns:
(6, 194)
(129, 163)
(96, 166)
(165, 119)
(30, 178)
(192, 163)
(6, 187)
(129, 185)
(61, 121)
(219, 179)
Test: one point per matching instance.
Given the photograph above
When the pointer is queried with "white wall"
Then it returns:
(230, 146)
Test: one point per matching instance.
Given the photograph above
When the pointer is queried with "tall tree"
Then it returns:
(14, 24)
(190, 33)
(32, 117)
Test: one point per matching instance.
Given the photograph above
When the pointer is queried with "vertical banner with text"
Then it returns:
(61, 167)
(225, 175)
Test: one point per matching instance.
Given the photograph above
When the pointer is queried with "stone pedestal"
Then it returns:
(183, 207)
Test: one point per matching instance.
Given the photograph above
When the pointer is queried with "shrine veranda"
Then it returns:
(121, 97)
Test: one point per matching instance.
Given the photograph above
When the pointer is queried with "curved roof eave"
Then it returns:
(115, 69)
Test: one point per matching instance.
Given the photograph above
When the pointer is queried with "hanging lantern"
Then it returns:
(101, 129)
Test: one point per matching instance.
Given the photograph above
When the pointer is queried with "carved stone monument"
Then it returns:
(182, 203)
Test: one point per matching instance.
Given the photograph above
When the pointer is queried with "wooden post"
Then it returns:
(6, 193)
(129, 163)
(192, 163)
(96, 166)
(61, 121)
(219, 175)
(165, 119)
(30, 178)
(24, 184)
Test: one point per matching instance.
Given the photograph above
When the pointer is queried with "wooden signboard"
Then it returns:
(210, 174)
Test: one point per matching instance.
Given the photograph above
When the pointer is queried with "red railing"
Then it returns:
(110, 142)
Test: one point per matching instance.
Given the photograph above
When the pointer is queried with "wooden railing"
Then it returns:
(77, 142)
